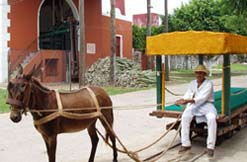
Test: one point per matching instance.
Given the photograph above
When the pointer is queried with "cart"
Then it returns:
(230, 102)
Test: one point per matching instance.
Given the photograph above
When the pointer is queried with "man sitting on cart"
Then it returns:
(200, 103)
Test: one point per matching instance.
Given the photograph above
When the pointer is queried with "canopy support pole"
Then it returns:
(226, 86)
(163, 83)
(200, 58)
(159, 81)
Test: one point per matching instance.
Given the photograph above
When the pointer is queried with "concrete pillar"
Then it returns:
(4, 38)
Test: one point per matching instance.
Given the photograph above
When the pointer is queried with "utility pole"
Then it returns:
(166, 31)
(113, 43)
(149, 60)
(82, 55)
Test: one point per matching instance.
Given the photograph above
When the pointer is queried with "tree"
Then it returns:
(235, 24)
(149, 60)
(211, 15)
(139, 36)
(235, 18)
(198, 15)
(166, 30)
(237, 6)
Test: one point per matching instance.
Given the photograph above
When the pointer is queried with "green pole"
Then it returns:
(158, 81)
(200, 58)
(227, 84)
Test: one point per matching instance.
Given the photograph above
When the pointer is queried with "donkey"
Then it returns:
(47, 107)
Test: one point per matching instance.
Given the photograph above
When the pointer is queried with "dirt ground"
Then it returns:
(22, 143)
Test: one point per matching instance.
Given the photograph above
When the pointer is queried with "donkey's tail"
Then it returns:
(107, 121)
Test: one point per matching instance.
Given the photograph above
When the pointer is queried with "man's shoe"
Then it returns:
(210, 152)
(184, 149)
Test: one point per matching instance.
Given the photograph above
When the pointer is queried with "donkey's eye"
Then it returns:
(22, 87)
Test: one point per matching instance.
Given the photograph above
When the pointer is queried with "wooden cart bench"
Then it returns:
(226, 124)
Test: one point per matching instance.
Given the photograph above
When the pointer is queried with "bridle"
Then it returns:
(21, 106)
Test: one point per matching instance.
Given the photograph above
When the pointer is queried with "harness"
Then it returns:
(60, 112)
(69, 115)
(18, 103)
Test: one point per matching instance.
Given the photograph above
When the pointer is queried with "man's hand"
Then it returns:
(180, 102)
(183, 101)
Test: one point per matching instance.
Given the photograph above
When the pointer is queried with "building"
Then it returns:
(121, 6)
(40, 35)
(141, 20)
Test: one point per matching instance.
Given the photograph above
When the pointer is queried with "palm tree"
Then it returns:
(113, 44)
(166, 30)
(149, 60)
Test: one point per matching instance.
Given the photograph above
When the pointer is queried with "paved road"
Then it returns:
(22, 143)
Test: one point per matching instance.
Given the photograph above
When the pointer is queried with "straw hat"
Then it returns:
(201, 68)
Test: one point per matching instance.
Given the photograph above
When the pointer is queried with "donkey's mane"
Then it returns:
(40, 86)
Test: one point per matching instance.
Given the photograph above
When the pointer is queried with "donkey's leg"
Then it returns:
(94, 140)
(113, 140)
(51, 145)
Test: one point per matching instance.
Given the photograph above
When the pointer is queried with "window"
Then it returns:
(51, 67)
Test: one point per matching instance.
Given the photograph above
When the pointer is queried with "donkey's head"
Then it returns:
(19, 93)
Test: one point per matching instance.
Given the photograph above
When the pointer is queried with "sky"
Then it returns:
(140, 6)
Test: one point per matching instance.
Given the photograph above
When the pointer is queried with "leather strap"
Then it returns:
(69, 115)
(14, 102)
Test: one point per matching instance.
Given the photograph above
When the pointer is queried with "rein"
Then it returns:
(12, 101)
(69, 115)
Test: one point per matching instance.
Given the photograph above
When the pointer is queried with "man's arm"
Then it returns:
(184, 101)
(188, 96)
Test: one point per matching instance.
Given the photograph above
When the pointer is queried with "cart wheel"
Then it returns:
(219, 140)
(238, 128)
(229, 134)
(200, 126)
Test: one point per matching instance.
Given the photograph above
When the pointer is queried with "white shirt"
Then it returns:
(203, 97)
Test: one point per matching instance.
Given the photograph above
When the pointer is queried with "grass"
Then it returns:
(119, 90)
(181, 76)
(234, 67)
(3, 106)
(185, 76)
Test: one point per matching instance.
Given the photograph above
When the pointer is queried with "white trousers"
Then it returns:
(185, 131)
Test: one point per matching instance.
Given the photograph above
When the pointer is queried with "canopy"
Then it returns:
(195, 42)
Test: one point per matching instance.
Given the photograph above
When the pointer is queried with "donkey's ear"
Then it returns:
(20, 70)
(31, 73)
